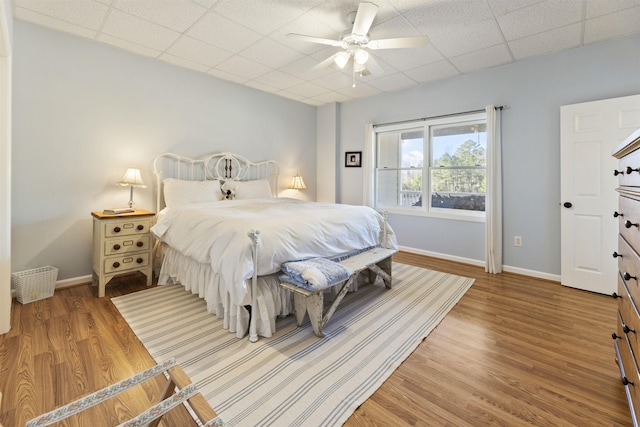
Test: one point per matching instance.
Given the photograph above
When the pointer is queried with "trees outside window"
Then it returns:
(453, 177)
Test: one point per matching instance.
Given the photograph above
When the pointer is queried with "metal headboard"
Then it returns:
(225, 166)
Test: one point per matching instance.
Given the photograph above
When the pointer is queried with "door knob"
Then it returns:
(567, 205)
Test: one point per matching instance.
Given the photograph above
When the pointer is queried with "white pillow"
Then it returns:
(256, 189)
(179, 192)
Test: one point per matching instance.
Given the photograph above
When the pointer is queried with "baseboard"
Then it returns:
(66, 283)
(74, 281)
(480, 263)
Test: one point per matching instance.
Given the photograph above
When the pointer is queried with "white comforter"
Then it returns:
(216, 233)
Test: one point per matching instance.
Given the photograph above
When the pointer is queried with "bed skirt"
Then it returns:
(200, 279)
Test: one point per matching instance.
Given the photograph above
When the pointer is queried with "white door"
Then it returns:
(589, 233)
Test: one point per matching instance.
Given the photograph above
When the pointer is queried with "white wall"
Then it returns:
(6, 42)
(533, 90)
(83, 112)
(327, 141)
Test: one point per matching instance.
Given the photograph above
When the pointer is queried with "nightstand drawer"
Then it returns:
(126, 245)
(118, 264)
(128, 227)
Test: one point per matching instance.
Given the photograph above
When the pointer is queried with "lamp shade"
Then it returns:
(133, 178)
(341, 59)
(297, 183)
(361, 56)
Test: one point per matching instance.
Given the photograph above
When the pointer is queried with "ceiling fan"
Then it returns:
(355, 44)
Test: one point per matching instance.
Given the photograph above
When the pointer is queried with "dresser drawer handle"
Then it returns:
(615, 336)
(625, 381)
(627, 329)
(629, 224)
(617, 172)
(616, 214)
(140, 227)
(627, 276)
(116, 229)
(141, 244)
(116, 264)
(615, 295)
(616, 255)
(630, 169)
(116, 247)
(139, 260)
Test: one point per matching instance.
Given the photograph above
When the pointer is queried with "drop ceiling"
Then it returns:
(244, 41)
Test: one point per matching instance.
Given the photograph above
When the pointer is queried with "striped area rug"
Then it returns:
(295, 378)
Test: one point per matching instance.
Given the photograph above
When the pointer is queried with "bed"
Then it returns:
(229, 250)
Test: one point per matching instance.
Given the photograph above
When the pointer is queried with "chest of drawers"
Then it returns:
(121, 244)
(626, 337)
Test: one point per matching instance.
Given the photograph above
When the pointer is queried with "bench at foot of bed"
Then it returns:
(376, 261)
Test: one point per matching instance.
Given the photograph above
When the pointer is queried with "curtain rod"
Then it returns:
(500, 107)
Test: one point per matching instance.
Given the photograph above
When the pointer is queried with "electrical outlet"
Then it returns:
(517, 240)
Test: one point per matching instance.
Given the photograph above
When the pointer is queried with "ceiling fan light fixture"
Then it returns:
(361, 56)
(341, 59)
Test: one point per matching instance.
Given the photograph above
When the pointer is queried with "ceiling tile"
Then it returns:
(243, 67)
(334, 81)
(362, 90)
(262, 16)
(129, 46)
(472, 37)
(53, 23)
(223, 33)
(396, 27)
(177, 15)
(290, 95)
(305, 25)
(406, 59)
(332, 97)
(486, 58)
(197, 51)
(501, 7)
(261, 86)
(540, 17)
(227, 76)
(597, 8)
(432, 72)
(547, 42)
(85, 13)
(308, 89)
(304, 68)
(183, 62)
(271, 53)
(613, 25)
(279, 79)
(134, 29)
(390, 83)
(439, 17)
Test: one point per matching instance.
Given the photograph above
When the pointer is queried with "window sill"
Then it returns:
(457, 216)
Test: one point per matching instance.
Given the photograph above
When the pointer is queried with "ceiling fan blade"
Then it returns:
(364, 18)
(313, 39)
(327, 62)
(374, 68)
(401, 42)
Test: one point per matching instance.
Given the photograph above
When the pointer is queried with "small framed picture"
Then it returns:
(352, 159)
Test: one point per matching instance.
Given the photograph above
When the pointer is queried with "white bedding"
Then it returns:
(215, 233)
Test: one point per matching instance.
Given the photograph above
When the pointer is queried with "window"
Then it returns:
(441, 160)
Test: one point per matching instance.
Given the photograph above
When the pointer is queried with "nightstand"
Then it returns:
(121, 244)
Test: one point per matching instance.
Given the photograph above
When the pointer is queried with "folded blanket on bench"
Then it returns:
(314, 274)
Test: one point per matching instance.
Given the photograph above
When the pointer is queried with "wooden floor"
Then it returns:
(514, 351)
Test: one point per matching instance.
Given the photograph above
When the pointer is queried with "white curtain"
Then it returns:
(493, 205)
(367, 166)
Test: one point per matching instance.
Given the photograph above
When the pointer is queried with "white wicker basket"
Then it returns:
(35, 284)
